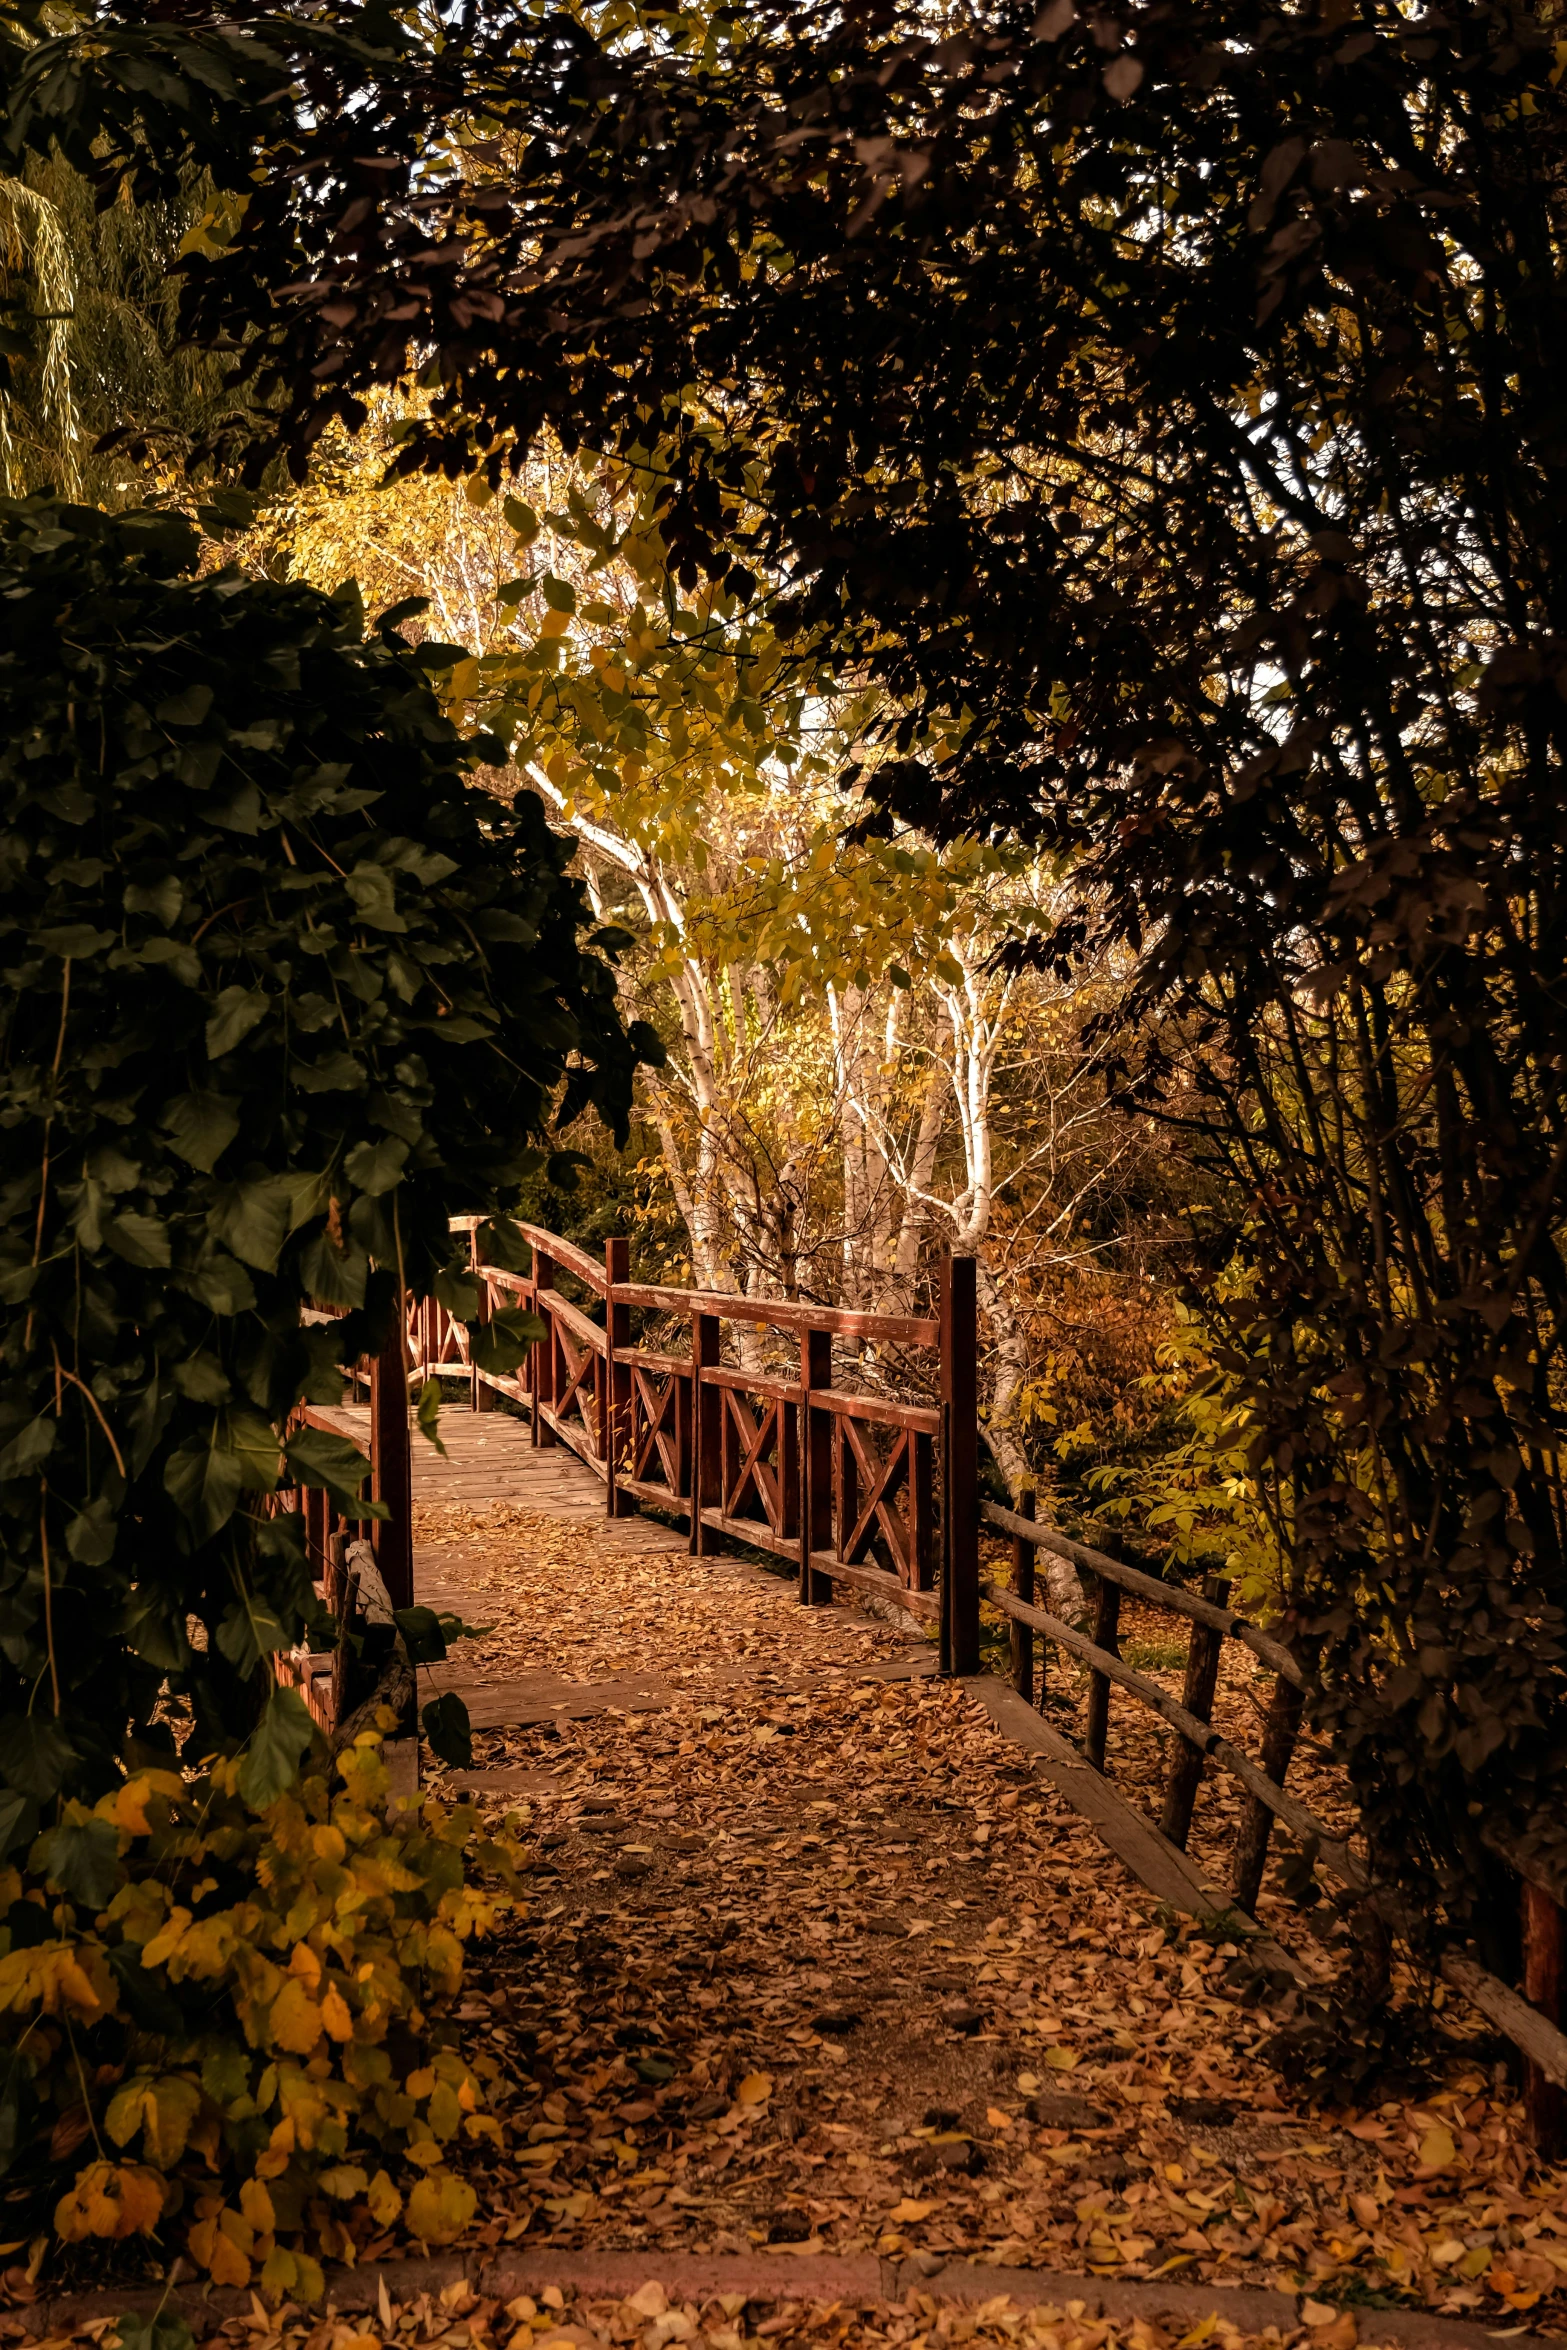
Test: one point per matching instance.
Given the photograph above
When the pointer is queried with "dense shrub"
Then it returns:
(229, 2031)
(281, 990)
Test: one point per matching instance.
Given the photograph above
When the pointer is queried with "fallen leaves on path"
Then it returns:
(829, 1969)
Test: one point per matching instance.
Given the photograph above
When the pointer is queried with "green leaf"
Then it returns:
(238, 1011)
(559, 594)
(206, 1476)
(186, 708)
(161, 895)
(73, 938)
(333, 1276)
(375, 1167)
(165, 2329)
(522, 518)
(370, 887)
(501, 1344)
(278, 1744)
(139, 1239)
(318, 1457)
(35, 1754)
(222, 1286)
(252, 1220)
(250, 1630)
(429, 1414)
(90, 1535)
(422, 1635)
(446, 1727)
(459, 1294)
(28, 1450)
(82, 1857)
(18, 1825)
(200, 1127)
(154, 1628)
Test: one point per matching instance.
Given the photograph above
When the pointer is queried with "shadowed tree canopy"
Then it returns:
(1164, 403)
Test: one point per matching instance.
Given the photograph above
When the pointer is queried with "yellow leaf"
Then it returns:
(211, 2244)
(127, 1807)
(755, 2089)
(386, 2205)
(335, 2015)
(1061, 2060)
(256, 2204)
(110, 2199)
(295, 2022)
(440, 2207)
(910, 2211)
(305, 1965)
(1437, 2149)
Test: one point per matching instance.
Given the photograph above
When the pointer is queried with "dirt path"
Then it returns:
(814, 1963)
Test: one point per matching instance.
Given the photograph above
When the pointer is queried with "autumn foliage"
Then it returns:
(236, 2034)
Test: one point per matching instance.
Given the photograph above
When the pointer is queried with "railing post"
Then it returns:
(483, 1395)
(1023, 1587)
(615, 1431)
(543, 1352)
(815, 1466)
(1544, 1985)
(391, 1468)
(1203, 1652)
(959, 1468)
(1278, 1744)
(1107, 1635)
(706, 1433)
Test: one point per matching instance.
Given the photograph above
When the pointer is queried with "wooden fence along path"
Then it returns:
(880, 1496)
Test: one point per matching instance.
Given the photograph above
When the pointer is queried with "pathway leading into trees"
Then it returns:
(817, 1963)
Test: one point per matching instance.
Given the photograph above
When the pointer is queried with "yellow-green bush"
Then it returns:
(230, 2028)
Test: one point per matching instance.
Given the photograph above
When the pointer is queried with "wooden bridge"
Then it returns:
(793, 1447)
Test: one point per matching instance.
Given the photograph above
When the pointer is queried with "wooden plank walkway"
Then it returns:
(491, 1463)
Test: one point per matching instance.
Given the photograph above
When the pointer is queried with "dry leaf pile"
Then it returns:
(824, 1967)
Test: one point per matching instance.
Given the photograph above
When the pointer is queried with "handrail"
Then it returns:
(779, 1313)
(1210, 1742)
(581, 1325)
(566, 1254)
(1271, 1652)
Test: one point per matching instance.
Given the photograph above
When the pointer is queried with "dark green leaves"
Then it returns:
(35, 1754)
(165, 2329)
(428, 1414)
(266, 945)
(82, 1857)
(251, 1632)
(238, 1011)
(200, 1127)
(275, 1749)
(422, 1634)
(500, 1345)
(318, 1457)
(445, 1721)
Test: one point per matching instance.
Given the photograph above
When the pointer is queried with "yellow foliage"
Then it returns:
(243, 2124)
(440, 2207)
(110, 2199)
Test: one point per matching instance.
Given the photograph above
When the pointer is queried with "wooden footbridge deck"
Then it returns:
(641, 1398)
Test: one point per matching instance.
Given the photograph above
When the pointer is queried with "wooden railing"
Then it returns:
(1530, 2021)
(881, 1496)
(851, 1488)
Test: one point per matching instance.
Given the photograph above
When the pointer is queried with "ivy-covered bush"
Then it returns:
(282, 990)
(233, 2037)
